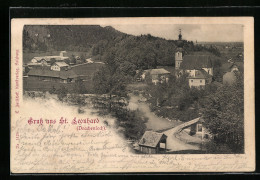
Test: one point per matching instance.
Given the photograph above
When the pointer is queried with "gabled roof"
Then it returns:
(48, 58)
(167, 68)
(240, 65)
(157, 71)
(200, 74)
(44, 72)
(61, 64)
(226, 67)
(151, 138)
(196, 62)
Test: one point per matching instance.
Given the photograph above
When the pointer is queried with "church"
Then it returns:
(198, 67)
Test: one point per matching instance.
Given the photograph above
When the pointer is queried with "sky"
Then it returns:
(190, 32)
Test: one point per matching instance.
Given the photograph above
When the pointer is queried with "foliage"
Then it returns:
(212, 147)
(140, 52)
(79, 87)
(132, 122)
(62, 93)
(223, 113)
(53, 90)
(83, 58)
(105, 82)
(73, 59)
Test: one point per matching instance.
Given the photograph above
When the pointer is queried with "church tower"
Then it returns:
(179, 52)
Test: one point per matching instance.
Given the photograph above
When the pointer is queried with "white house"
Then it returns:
(58, 66)
(199, 78)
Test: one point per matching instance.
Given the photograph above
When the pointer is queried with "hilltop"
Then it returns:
(104, 44)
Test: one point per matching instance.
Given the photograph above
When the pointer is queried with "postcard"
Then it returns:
(132, 95)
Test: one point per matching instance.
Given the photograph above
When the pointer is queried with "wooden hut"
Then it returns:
(153, 142)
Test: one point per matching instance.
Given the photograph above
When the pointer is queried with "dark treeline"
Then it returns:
(144, 51)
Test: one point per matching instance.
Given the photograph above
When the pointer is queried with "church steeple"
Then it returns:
(179, 51)
(180, 41)
(180, 36)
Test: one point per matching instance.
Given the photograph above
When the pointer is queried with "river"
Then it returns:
(154, 123)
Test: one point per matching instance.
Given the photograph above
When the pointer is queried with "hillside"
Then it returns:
(104, 44)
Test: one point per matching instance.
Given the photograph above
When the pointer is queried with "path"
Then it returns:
(174, 144)
(156, 123)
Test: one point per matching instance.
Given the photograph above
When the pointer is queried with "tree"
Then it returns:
(73, 59)
(79, 87)
(132, 122)
(223, 113)
(107, 81)
(127, 68)
(62, 93)
(83, 58)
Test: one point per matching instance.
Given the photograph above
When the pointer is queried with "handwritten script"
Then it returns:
(60, 147)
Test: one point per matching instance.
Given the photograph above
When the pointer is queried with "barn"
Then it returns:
(153, 142)
(45, 74)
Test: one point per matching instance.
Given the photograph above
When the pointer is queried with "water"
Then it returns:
(154, 123)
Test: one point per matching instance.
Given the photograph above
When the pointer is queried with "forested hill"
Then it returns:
(101, 43)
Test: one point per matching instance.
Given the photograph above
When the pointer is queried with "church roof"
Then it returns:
(196, 62)
(151, 138)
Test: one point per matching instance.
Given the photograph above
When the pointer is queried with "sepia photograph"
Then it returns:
(147, 90)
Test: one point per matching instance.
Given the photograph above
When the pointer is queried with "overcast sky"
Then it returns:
(201, 33)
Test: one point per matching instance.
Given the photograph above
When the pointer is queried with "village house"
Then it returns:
(199, 79)
(153, 142)
(157, 75)
(59, 66)
(46, 60)
(230, 70)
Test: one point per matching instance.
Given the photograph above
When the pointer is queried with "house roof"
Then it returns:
(48, 58)
(200, 74)
(61, 64)
(151, 138)
(226, 67)
(196, 62)
(46, 72)
(157, 71)
(167, 68)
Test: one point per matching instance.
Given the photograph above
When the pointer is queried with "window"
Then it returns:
(191, 80)
(200, 81)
